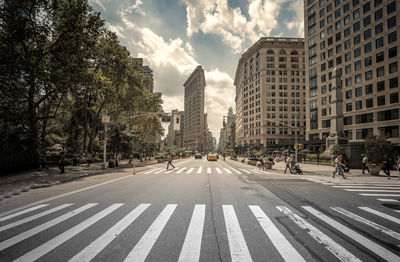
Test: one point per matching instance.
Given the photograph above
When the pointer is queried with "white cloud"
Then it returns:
(98, 2)
(297, 22)
(216, 17)
(172, 62)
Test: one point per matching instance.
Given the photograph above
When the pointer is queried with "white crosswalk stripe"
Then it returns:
(31, 218)
(190, 170)
(208, 170)
(192, 245)
(180, 170)
(380, 195)
(142, 248)
(22, 212)
(26, 234)
(99, 244)
(388, 200)
(373, 190)
(341, 253)
(227, 170)
(367, 222)
(237, 243)
(237, 171)
(199, 170)
(153, 170)
(244, 170)
(257, 171)
(218, 170)
(381, 214)
(55, 242)
(370, 245)
(159, 171)
(367, 187)
(287, 251)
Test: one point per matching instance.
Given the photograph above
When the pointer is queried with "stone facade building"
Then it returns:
(195, 136)
(175, 129)
(270, 90)
(360, 39)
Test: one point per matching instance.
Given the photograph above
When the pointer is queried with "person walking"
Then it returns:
(264, 158)
(288, 163)
(386, 166)
(130, 158)
(364, 164)
(89, 158)
(398, 165)
(170, 161)
(339, 167)
(61, 163)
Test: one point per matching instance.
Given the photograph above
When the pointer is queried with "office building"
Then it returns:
(270, 89)
(195, 136)
(175, 130)
(360, 39)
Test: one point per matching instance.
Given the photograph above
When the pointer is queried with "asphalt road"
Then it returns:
(204, 211)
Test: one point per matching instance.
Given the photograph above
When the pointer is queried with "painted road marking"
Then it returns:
(199, 170)
(227, 170)
(381, 214)
(218, 170)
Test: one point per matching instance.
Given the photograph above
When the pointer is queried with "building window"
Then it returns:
(390, 131)
(391, 22)
(368, 89)
(377, 2)
(380, 57)
(394, 98)
(367, 48)
(346, 19)
(380, 86)
(378, 14)
(348, 94)
(348, 81)
(368, 75)
(391, 7)
(348, 120)
(380, 71)
(368, 61)
(367, 34)
(381, 100)
(346, 32)
(365, 118)
(347, 44)
(393, 67)
(356, 14)
(349, 107)
(367, 21)
(347, 56)
(369, 103)
(357, 65)
(357, 52)
(356, 27)
(393, 52)
(358, 79)
(357, 39)
(378, 29)
(363, 133)
(392, 37)
(379, 42)
(394, 82)
(358, 91)
(358, 105)
(388, 115)
(347, 69)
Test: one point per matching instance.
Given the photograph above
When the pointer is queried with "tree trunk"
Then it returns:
(33, 139)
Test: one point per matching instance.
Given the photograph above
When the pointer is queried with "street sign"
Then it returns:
(105, 119)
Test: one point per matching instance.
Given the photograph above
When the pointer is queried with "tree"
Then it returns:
(376, 148)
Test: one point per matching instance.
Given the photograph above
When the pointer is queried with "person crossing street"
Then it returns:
(170, 161)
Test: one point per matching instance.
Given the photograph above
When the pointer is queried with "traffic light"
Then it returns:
(300, 146)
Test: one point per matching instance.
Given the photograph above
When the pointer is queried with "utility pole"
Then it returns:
(105, 120)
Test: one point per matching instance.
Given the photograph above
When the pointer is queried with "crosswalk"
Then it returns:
(207, 170)
(309, 224)
(388, 191)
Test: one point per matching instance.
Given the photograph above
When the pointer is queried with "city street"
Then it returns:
(204, 211)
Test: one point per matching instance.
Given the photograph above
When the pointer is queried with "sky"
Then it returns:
(175, 36)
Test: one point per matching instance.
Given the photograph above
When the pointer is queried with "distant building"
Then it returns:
(147, 72)
(270, 94)
(175, 129)
(194, 137)
(227, 133)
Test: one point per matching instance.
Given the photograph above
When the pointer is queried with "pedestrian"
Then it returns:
(130, 158)
(43, 162)
(89, 158)
(364, 164)
(288, 163)
(264, 158)
(317, 157)
(61, 163)
(170, 161)
(339, 167)
(386, 166)
(398, 165)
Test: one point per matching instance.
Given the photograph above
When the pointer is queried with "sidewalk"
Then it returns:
(22, 182)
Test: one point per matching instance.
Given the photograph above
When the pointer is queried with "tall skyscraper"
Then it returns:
(270, 90)
(147, 72)
(195, 136)
(175, 131)
(360, 39)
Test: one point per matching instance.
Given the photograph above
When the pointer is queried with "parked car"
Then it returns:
(212, 157)
(198, 156)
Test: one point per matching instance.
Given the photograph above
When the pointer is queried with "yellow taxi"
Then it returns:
(212, 157)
